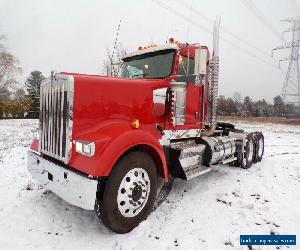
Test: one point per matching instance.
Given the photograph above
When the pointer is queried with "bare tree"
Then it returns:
(9, 66)
(4, 94)
(112, 63)
(237, 97)
(20, 94)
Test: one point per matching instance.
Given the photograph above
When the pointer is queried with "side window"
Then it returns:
(186, 68)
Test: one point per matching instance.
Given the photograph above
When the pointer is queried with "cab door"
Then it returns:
(194, 72)
(186, 74)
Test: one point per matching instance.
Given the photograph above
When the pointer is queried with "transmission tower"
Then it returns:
(291, 86)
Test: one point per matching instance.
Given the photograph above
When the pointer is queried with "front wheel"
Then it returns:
(129, 193)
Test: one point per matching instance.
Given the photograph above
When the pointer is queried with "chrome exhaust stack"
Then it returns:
(215, 72)
(216, 36)
(211, 119)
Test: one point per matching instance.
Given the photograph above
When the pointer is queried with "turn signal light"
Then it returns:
(135, 123)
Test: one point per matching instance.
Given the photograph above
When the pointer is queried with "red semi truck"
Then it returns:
(105, 142)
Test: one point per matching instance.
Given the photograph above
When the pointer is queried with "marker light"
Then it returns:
(85, 148)
(135, 123)
(180, 59)
(36, 135)
(147, 46)
(172, 40)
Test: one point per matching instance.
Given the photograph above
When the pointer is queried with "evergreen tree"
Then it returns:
(278, 106)
(266, 109)
(33, 83)
(258, 109)
(248, 108)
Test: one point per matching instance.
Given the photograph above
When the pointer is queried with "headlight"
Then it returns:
(85, 147)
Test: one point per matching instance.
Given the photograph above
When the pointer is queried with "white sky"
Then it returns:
(72, 35)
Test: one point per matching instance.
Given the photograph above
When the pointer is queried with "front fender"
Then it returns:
(112, 140)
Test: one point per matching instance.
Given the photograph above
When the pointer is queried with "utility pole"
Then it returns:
(291, 86)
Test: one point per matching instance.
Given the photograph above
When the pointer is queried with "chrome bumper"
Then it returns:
(73, 188)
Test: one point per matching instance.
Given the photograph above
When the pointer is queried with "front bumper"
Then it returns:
(75, 189)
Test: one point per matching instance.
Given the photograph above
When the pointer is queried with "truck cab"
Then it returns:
(105, 143)
(174, 62)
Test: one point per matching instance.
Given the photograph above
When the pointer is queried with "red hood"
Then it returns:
(98, 99)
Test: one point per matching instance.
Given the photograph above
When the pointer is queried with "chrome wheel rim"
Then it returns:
(260, 147)
(250, 153)
(133, 192)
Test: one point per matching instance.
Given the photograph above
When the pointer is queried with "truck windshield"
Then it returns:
(151, 65)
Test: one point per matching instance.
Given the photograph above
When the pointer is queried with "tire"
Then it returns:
(259, 147)
(238, 161)
(245, 161)
(129, 193)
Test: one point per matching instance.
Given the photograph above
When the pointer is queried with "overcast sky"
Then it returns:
(72, 35)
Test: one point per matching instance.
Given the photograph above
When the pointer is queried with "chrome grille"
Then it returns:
(56, 117)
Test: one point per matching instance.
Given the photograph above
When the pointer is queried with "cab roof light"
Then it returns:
(173, 41)
(147, 46)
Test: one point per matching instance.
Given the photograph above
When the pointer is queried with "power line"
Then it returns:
(255, 10)
(236, 46)
(226, 30)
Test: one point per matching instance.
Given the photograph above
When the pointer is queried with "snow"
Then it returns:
(204, 213)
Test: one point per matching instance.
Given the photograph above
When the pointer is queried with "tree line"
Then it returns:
(246, 107)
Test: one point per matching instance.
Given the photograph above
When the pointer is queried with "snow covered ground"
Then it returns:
(209, 212)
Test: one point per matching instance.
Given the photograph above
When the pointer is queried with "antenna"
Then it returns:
(111, 57)
(117, 37)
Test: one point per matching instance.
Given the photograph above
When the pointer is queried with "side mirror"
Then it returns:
(200, 62)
